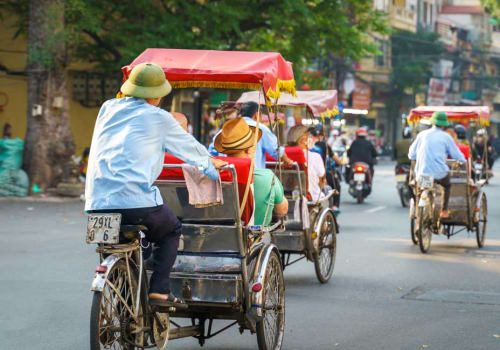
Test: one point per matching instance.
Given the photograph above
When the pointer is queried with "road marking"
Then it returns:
(374, 210)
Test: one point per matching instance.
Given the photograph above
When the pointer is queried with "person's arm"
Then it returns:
(336, 159)
(212, 150)
(374, 151)
(453, 150)
(270, 143)
(184, 146)
(280, 201)
(412, 152)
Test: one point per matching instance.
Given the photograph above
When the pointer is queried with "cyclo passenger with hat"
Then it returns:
(430, 150)
(131, 136)
(236, 139)
(300, 135)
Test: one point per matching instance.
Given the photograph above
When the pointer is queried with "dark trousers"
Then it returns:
(164, 230)
(445, 182)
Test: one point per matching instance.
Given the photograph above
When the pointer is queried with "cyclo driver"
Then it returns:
(430, 150)
(130, 138)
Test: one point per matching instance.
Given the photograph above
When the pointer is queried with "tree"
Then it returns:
(112, 33)
(49, 143)
(413, 55)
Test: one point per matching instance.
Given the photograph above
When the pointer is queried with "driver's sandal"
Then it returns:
(171, 301)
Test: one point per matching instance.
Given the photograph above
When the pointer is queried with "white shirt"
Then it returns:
(315, 171)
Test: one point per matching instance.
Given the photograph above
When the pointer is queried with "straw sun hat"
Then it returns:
(235, 136)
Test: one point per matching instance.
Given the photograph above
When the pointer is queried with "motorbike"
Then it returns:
(479, 170)
(360, 181)
(402, 185)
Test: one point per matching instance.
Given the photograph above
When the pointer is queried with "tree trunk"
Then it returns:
(49, 141)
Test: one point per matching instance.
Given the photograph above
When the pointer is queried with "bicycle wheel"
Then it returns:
(112, 319)
(413, 222)
(324, 258)
(271, 329)
(424, 233)
(480, 225)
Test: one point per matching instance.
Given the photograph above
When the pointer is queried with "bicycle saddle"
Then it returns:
(132, 228)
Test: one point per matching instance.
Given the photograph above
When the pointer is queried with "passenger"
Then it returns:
(181, 119)
(130, 138)
(463, 148)
(267, 144)
(236, 140)
(299, 135)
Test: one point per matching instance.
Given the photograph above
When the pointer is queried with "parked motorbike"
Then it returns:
(360, 181)
(404, 190)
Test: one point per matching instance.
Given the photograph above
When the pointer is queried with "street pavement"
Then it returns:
(384, 293)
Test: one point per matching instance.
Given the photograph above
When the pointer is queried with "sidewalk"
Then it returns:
(40, 199)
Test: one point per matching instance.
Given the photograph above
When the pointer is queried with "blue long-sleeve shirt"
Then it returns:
(431, 149)
(127, 152)
(268, 143)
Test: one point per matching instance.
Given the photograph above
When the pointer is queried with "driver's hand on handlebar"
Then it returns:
(211, 172)
(218, 163)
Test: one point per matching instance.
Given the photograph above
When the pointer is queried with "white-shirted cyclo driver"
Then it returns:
(131, 136)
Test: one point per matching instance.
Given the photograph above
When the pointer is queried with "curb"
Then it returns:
(33, 199)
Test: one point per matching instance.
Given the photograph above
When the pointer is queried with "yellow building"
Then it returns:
(13, 90)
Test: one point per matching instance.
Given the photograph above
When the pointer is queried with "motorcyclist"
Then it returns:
(402, 147)
(479, 148)
(331, 160)
(131, 135)
(462, 135)
(430, 150)
(362, 150)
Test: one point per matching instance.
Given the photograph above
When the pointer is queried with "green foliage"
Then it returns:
(493, 7)
(412, 57)
(112, 33)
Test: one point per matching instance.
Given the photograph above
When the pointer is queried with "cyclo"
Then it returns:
(467, 204)
(226, 270)
(311, 228)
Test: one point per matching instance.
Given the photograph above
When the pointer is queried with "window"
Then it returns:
(381, 59)
(92, 89)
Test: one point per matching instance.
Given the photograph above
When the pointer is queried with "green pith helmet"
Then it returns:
(146, 80)
(439, 119)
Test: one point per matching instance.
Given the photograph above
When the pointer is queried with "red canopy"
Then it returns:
(221, 69)
(322, 103)
(459, 114)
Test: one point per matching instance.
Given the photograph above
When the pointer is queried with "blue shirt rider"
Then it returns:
(430, 150)
(131, 136)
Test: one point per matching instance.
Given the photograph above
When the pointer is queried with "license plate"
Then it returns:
(103, 228)
(425, 181)
(401, 178)
(359, 177)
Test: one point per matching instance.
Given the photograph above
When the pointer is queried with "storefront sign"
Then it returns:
(437, 92)
(361, 96)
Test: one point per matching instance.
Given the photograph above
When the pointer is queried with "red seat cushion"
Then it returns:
(241, 166)
(296, 154)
